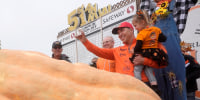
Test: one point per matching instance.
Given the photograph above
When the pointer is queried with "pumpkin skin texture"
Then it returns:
(3, 98)
(29, 75)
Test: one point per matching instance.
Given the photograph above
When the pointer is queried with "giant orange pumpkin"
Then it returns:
(28, 75)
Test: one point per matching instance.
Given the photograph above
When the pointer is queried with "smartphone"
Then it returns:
(79, 31)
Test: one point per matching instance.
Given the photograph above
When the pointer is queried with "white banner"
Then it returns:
(67, 37)
(120, 14)
(88, 29)
(92, 27)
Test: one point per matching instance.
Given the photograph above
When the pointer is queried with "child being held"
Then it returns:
(148, 39)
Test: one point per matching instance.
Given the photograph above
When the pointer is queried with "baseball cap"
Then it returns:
(123, 24)
(56, 44)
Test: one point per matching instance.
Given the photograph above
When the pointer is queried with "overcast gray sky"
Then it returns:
(34, 24)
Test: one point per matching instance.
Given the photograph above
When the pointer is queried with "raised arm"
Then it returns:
(100, 52)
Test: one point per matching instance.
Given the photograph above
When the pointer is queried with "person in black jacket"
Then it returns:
(57, 50)
(192, 73)
(192, 70)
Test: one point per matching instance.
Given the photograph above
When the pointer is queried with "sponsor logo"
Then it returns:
(122, 49)
(130, 9)
(121, 54)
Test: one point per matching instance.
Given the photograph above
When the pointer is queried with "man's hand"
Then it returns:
(139, 60)
(81, 36)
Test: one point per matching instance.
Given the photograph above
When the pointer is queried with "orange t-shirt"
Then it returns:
(149, 36)
(105, 64)
(121, 56)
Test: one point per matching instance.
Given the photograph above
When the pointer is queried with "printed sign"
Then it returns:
(120, 14)
(88, 29)
(191, 33)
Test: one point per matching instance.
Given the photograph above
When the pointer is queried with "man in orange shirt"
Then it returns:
(105, 64)
(122, 54)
